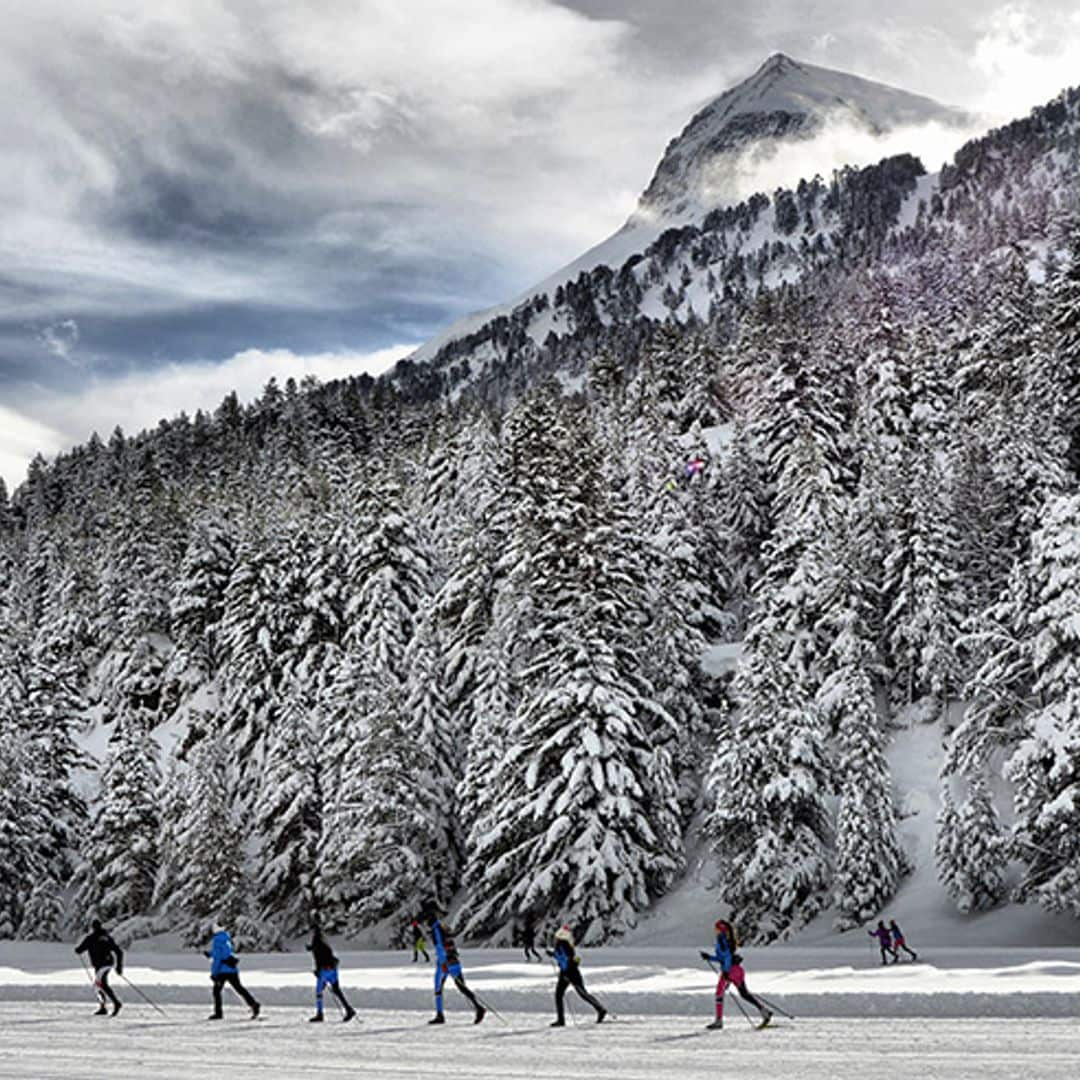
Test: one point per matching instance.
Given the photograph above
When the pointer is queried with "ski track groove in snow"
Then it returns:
(61, 1042)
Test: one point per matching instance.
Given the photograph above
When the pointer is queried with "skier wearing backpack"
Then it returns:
(448, 965)
(103, 952)
(731, 974)
(570, 975)
(884, 939)
(326, 974)
(223, 969)
(898, 942)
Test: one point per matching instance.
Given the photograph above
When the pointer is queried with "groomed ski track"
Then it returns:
(979, 1013)
(59, 1041)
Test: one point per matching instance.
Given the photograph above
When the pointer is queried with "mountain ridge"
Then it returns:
(783, 102)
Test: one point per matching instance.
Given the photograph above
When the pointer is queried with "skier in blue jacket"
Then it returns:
(223, 969)
(448, 965)
(731, 974)
(570, 975)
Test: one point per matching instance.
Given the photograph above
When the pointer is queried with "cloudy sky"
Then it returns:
(196, 195)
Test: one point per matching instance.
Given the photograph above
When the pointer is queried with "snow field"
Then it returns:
(61, 1041)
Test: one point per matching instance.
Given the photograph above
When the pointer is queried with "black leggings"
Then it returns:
(104, 990)
(572, 978)
(233, 979)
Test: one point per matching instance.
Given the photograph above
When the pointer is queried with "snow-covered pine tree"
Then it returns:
(769, 781)
(923, 590)
(427, 724)
(211, 881)
(287, 818)
(257, 628)
(971, 850)
(585, 824)
(386, 842)
(53, 707)
(1045, 766)
(465, 601)
(120, 852)
(197, 602)
(869, 857)
(496, 704)
(1064, 319)
(390, 571)
(592, 834)
(17, 847)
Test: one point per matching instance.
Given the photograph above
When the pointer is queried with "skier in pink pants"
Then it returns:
(731, 974)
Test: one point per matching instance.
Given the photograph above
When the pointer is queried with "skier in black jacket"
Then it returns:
(528, 939)
(570, 975)
(326, 974)
(102, 950)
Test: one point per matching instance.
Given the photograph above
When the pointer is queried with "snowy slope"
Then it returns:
(921, 905)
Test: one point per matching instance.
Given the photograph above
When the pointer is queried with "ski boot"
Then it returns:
(350, 1012)
(316, 1019)
(438, 1019)
(716, 1025)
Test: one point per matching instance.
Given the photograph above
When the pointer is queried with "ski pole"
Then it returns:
(742, 1009)
(490, 1009)
(772, 1005)
(143, 996)
(93, 981)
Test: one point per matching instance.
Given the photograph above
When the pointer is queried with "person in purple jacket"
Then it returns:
(898, 942)
(884, 939)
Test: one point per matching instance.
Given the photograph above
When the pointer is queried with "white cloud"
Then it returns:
(840, 143)
(60, 338)
(21, 437)
(1026, 58)
(50, 424)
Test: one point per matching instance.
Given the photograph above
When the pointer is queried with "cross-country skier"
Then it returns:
(898, 942)
(570, 975)
(448, 965)
(103, 950)
(223, 969)
(884, 939)
(731, 974)
(419, 945)
(326, 974)
(528, 939)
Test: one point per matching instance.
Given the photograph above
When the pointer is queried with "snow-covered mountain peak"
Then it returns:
(732, 149)
(784, 100)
